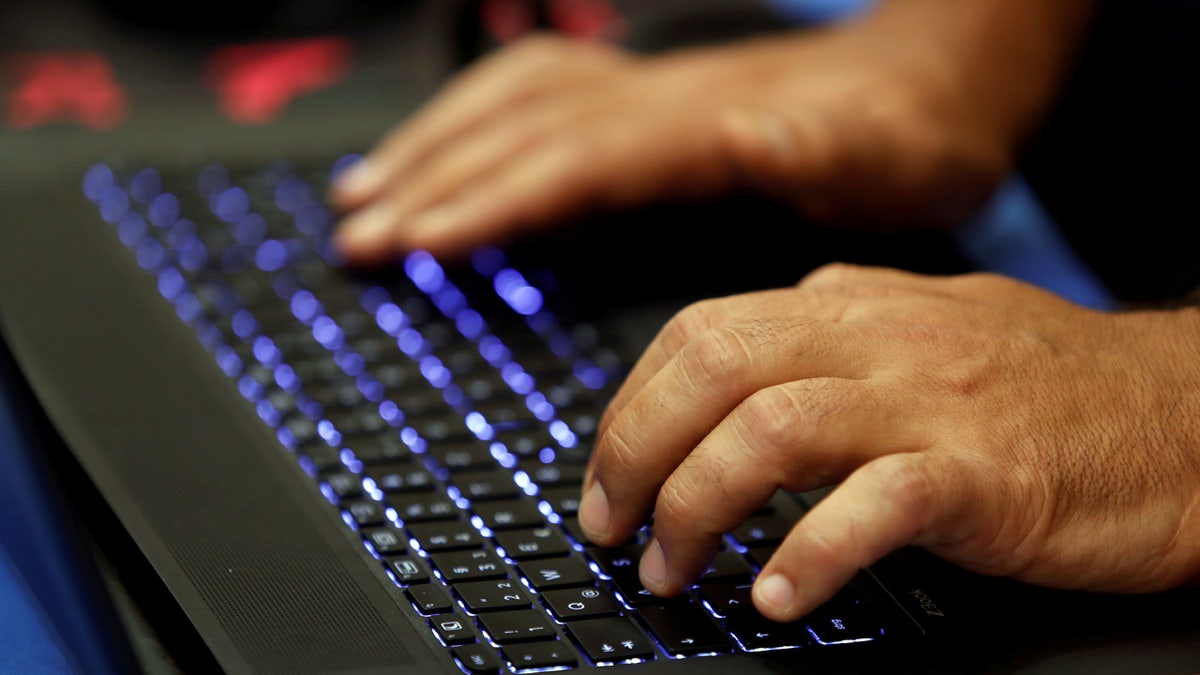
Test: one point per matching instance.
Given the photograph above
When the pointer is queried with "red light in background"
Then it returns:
(507, 20)
(586, 19)
(256, 81)
(76, 87)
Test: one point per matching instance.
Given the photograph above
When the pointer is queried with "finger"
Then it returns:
(859, 281)
(548, 183)
(618, 163)
(679, 406)
(891, 502)
(444, 177)
(796, 436)
(504, 79)
(699, 317)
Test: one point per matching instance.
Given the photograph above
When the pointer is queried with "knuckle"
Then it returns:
(907, 481)
(690, 321)
(677, 502)
(768, 417)
(822, 549)
(617, 458)
(834, 274)
(540, 45)
(716, 357)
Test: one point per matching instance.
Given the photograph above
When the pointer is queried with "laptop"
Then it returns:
(293, 467)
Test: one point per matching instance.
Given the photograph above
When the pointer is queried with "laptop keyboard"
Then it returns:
(446, 415)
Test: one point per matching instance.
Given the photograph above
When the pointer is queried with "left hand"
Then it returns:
(1001, 427)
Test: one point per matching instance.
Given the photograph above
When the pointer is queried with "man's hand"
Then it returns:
(999, 426)
(906, 117)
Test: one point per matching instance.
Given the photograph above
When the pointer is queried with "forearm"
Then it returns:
(1011, 56)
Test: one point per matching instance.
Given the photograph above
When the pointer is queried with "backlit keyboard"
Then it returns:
(447, 415)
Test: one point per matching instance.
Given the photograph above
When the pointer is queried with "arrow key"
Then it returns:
(755, 632)
(728, 597)
(684, 628)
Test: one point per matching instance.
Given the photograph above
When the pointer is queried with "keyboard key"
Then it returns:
(570, 604)
(464, 456)
(477, 658)
(385, 540)
(516, 626)
(479, 485)
(727, 564)
(509, 513)
(726, 597)
(539, 655)
(554, 475)
(407, 570)
(365, 512)
(343, 485)
(562, 500)
(611, 639)
(857, 613)
(762, 530)
(547, 573)
(754, 632)
(403, 477)
(377, 448)
(421, 508)
(536, 542)
(430, 598)
(491, 596)
(684, 628)
(453, 629)
(445, 535)
(476, 565)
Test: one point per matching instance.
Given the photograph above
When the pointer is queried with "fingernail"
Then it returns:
(358, 177)
(593, 512)
(776, 593)
(654, 566)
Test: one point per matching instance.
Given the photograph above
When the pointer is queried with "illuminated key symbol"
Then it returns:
(622, 562)
(462, 569)
(578, 607)
(550, 575)
(451, 626)
(627, 644)
(477, 659)
(386, 539)
(408, 567)
(607, 648)
(590, 593)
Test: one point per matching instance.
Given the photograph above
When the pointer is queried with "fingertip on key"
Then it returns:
(594, 513)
